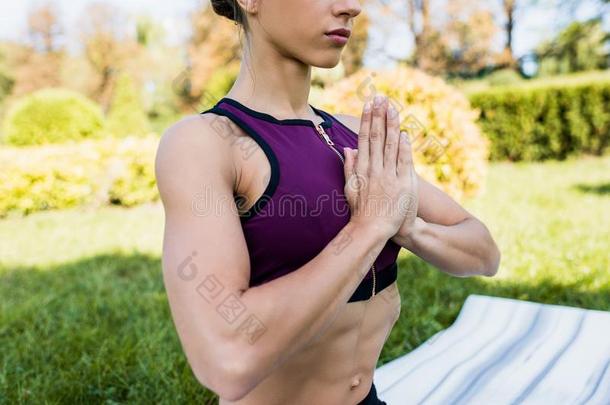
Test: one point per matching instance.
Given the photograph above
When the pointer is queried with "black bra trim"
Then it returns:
(273, 162)
(383, 278)
(327, 123)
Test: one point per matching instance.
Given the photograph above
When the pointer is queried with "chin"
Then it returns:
(327, 61)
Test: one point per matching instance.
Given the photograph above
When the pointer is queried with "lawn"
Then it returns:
(84, 316)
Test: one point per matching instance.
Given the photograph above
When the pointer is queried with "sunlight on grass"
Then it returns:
(84, 316)
(546, 223)
(54, 237)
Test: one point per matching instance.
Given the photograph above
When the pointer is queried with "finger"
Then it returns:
(405, 158)
(354, 154)
(364, 138)
(348, 167)
(390, 154)
(413, 194)
(378, 125)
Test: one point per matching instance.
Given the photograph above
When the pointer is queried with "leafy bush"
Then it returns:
(448, 147)
(544, 122)
(135, 182)
(126, 115)
(105, 171)
(52, 115)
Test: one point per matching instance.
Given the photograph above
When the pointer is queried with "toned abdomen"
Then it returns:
(338, 367)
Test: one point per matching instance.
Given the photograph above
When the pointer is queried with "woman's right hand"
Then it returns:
(381, 184)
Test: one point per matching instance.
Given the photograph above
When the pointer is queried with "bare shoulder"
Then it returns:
(196, 131)
(195, 146)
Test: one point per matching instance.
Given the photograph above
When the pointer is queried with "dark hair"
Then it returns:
(229, 9)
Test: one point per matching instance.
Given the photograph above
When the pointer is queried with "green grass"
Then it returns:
(84, 316)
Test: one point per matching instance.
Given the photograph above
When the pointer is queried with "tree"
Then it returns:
(580, 46)
(428, 48)
(7, 80)
(512, 10)
(469, 35)
(458, 41)
(509, 8)
(214, 44)
(126, 115)
(106, 46)
(148, 32)
(44, 29)
(37, 63)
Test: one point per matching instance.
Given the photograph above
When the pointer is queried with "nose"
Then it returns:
(350, 8)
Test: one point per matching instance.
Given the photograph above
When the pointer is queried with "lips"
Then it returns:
(342, 32)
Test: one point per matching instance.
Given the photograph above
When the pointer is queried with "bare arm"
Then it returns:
(444, 234)
(234, 336)
(449, 237)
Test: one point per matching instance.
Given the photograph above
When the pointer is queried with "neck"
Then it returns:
(269, 81)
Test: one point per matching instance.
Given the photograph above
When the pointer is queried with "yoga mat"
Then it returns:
(506, 351)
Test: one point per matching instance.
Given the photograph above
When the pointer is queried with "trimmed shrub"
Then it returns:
(448, 147)
(133, 161)
(546, 122)
(52, 115)
(92, 172)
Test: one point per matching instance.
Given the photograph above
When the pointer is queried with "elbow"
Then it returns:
(493, 263)
(232, 378)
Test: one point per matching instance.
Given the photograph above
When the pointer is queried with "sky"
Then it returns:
(387, 36)
(172, 14)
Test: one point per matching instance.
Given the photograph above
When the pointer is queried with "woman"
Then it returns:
(276, 307)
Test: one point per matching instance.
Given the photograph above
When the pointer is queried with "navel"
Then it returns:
(355, 382)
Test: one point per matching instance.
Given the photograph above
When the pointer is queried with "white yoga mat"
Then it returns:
(506, 351)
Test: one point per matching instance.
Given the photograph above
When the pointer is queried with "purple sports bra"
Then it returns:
(303, 207)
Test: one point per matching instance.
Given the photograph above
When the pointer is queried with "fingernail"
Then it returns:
(367, 106)
(378, 100)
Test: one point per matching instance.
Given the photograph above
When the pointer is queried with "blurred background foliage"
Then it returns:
(520, 138)
(462, 82)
